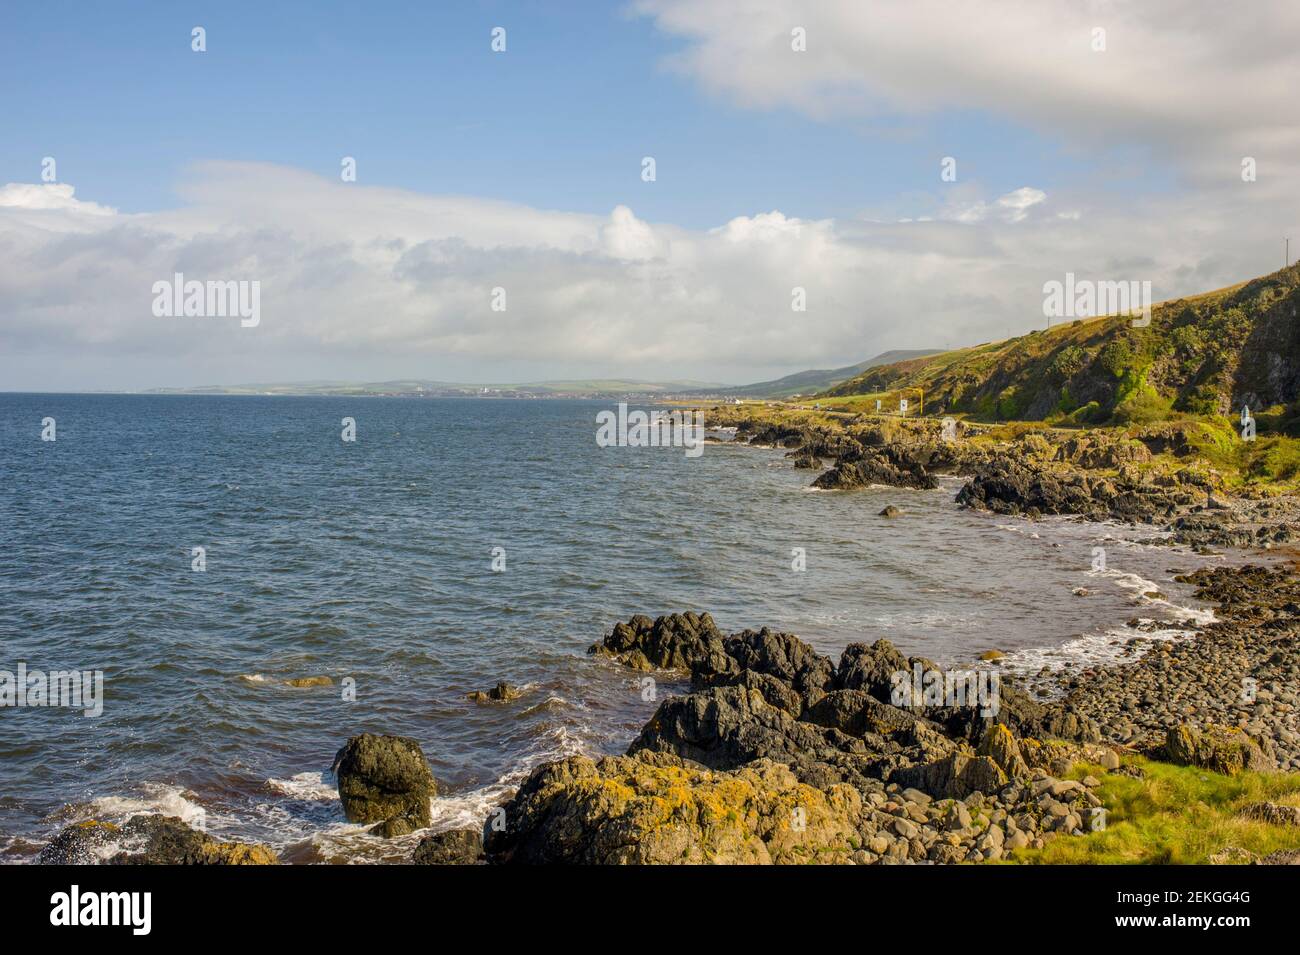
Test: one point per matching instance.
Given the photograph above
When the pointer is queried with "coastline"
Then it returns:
(814, 758)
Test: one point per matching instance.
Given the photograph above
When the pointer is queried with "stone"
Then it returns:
(501, 693)
(1222, 749)
(381, 778)
(659, 809)
(1000, 746)
(148, 839)
(451, 847)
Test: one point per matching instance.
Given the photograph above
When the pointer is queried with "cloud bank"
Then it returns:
(377, 274)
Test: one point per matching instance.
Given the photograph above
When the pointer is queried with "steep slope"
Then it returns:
(1204, 355)
(819, 379)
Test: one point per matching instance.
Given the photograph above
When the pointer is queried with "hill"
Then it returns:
(819, 379)
(1205, 355)
(595, 388)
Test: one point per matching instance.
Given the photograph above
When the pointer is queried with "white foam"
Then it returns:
(309, 787)
(1141, 586)
(155, 798)
(1104, 648)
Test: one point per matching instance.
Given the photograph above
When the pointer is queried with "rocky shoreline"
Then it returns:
(1154, 478)
(778, 754)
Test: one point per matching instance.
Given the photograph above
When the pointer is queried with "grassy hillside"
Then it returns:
(1201, 356)
(819, 379)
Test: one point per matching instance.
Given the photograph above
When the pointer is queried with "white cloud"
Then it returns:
(1198, 85)
(46, 197)
(374, 282)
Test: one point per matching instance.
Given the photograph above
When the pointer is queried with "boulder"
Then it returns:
(954, 777)
(1000, 746)
(385, 778)
(858, 713)
(1222, 749)
(452, 847)
(889, 465)
(870, 668)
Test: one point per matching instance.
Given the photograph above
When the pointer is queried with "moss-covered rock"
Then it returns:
(1223, 749)
(659, 809)
(382, 778)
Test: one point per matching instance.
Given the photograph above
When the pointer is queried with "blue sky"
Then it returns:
(413, 91)
(777, 169)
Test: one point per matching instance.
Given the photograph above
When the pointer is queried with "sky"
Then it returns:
(795, 146)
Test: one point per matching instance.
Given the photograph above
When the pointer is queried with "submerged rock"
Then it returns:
(306, 681)
(385, 779)
(501, 693)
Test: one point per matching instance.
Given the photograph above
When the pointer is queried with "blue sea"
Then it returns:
(371, 563)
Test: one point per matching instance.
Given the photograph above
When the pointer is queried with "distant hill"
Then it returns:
(576, 387)
(1204, 355)
(815, 380)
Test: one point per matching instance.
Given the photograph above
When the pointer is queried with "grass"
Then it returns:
(1178, 815)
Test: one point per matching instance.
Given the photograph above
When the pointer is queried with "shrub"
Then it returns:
(1144, 405)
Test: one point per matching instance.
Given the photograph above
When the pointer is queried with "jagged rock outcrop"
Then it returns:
(766, 712)
(890, 465)
(679, 641)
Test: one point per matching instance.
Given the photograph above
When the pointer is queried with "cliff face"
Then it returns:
(1204, 355)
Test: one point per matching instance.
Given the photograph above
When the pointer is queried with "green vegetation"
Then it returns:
(1176, 814)
(1200, 357)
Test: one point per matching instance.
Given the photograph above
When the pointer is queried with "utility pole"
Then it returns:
(1287, 240)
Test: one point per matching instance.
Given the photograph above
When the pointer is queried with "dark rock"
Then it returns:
(452, 847)
(681, 641)
(384, 778)
(501, 693)
(148, 840)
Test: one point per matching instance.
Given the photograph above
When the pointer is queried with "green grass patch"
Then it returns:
(1177, 815)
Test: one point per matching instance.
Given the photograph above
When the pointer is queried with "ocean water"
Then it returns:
(372, 562)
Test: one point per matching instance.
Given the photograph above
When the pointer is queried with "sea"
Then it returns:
(200, 552)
